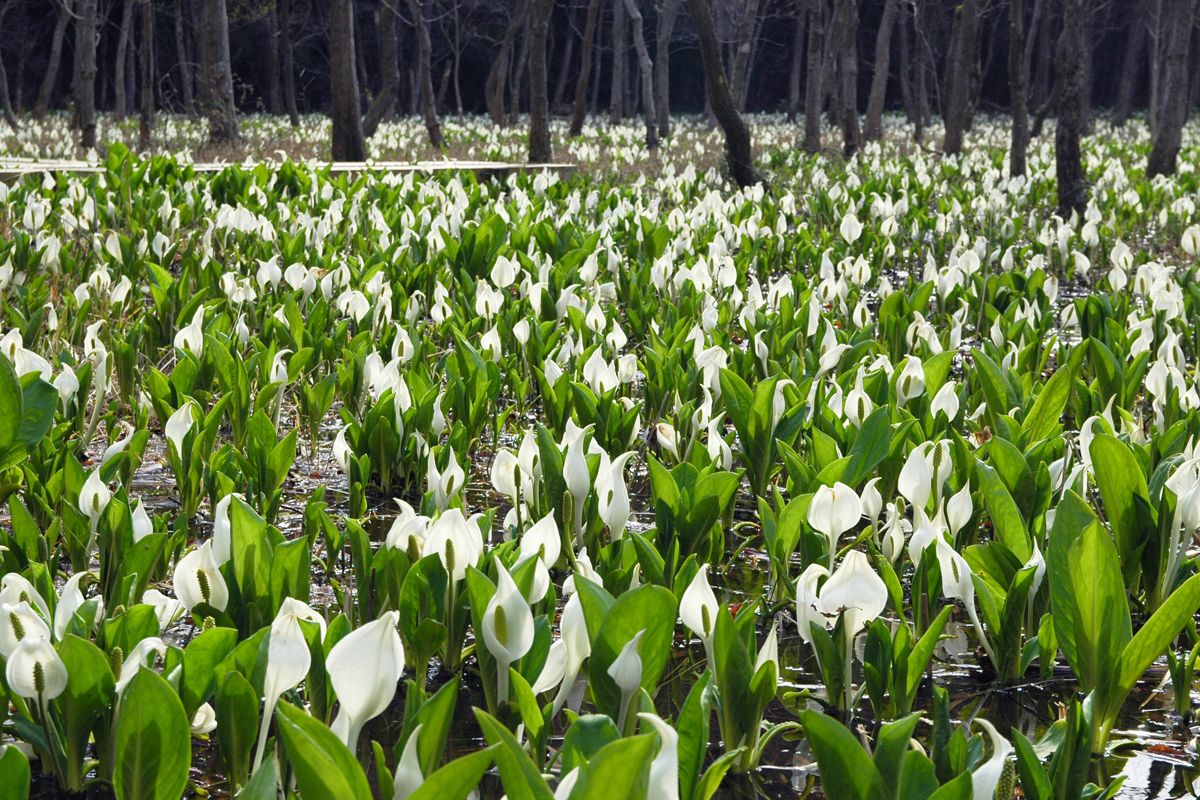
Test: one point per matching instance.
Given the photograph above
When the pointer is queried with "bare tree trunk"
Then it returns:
(185, 66)
(814, 90)
(216, 80)
(425, 74)
(1131, 66)
(146, 125)
(122, 107)
(347, 142)
(494, 89)
(275, 97)
(1072, 185)
(922, 86)
(87, 74)
(958, 88)
(620, 37)
(1052, 102)
(560, 86)
(289, 76)
(668, 14)
(873, 128)
(848, 31)
(1168, 135)
(444, 85)
(738, 150)
(5, 101)
(741, 57)
(1016, 85)
(518, 71)
(646, 68)
(539, 105)
(793, 107)
(56, 42)
(585, 68)
(384, 103)
(1157, 35)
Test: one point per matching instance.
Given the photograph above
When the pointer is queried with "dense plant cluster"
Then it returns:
(287, 453)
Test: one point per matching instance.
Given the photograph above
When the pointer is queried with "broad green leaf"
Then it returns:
(325, 768)
(14, 774)
(649, 608)
(1119, 477)
(620, 770)
(153, 741)
(520, 777)
(456, 780)
(846, 769)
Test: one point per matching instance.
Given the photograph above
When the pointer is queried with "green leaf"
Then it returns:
(649, 608)
(236, 707)
(870, 447)
(265, 783)
(1048, 408)
(200, 661)
(325, 769)
(89, 693)
(456, 780)
(1010, 525)
(1119, 477)
(153, 741)
(14, 774)
(584, 739)
(694, 727)
(846, 769)
(620, 771)
(890, 748)
(10, 403)
(520, 777)
(707, 786)
(958, 789)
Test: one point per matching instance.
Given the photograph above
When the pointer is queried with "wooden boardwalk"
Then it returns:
(12, 169)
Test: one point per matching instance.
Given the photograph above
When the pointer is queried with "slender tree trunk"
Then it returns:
(906, 87)
(348, 143)
(738, 150)
(585, 68)
(56, 42)
(958, 89)
(122, 107)
(1041, 81)
(620, 36)
(425, 74)
(384, 104)
(275, 101)
(596, 54)
(519, 71)
(668, 13)
(560, 86)
(922, 84)
(793, 107)
(146, 125)
(131, 84)
(1052, 102)
(646, 68)
(814, 90)
(1168, 135)
(539, 105)
(1016, 86)
(873, 128)
(1157, 36)
(497, 78)
(444, 85)
(216, 80)
(1072, 183)
(741, 57)
(185, 65)
(851, 135)
(289, 76)
(87, 74)
(5, 101)
(1131, 66)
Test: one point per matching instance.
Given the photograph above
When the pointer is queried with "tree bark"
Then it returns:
(814, 90)
(5, 101)
(87, 74)
(585, 68)
(216, 79)
(275, 96)
(384, 104)
(741, 58)
(146, 124)
(851, 134)
(425, 74)
(185, 66)
(1131, 66)
(920, 80)
(494, 89)
(668, 13)
(1072, 186)
(1168, 134)
(347, 142)
(1016, 86)
(560, 86)
(793, 107)
(958, 90)
(873, 128)
(289, 76)
(646, 68)
(738, 150)
(620, 37)
(514, 81)
(56, 42)
(122, 107)
(539, 104)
